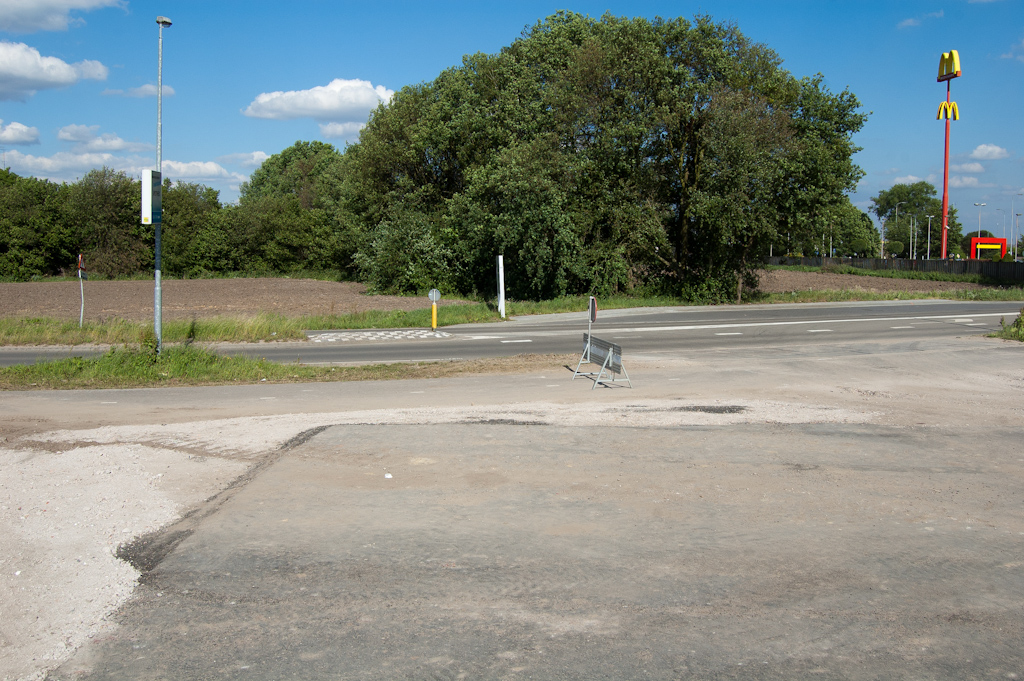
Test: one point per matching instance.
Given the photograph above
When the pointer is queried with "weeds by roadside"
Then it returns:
(1014, 330)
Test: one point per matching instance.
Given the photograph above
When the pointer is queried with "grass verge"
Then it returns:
(189, 365)
(1012, 331)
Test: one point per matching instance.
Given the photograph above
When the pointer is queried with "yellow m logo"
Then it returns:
(948, 110)
(949, 66)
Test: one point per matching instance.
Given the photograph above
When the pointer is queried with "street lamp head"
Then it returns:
(163, 21)
(980, 204)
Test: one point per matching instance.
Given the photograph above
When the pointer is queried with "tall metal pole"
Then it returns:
(945, 182)
(897, 218)
(929, 256)
(157, 292)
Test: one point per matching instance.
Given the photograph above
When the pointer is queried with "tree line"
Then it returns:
(597, 155)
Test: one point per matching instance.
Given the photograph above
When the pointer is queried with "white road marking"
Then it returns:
(977, 324)
(819, 331)
(697, 327)
(901, 327)
(962, 321)
(729, 333)
(518, 341)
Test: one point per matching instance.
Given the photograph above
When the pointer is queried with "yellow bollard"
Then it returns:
(433, 317)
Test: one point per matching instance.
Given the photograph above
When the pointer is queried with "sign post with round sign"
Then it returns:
(434, 296)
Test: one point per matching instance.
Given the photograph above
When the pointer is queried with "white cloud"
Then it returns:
(253, 159)
(86, 140)
(916, 21)
(341, 130)
(77, 133)
(198, 170)
(968, 168)
(68, 166)
(907, 179)
(27, 16)
(147, 90)
(23, 71)
(1016, 52)
(18, 133)
(341, 106)
(957, 182)
(989, 152)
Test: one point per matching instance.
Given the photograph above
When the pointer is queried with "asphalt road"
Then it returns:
(639, 331)
(652, 331)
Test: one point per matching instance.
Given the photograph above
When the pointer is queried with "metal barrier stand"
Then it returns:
(608, 355)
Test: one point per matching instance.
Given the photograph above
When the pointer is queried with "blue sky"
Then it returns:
(244, 80)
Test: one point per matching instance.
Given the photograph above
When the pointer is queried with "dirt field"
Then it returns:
(183, 299)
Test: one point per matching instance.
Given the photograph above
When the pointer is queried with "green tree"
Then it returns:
(601, 155)
(34, 238)
(916, 202)
(103, 208)
(193, 234)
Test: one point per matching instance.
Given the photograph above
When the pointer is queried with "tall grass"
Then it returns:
(1014, 330)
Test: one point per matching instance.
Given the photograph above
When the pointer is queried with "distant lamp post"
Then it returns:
(1003, 221)
(157, 293)
(896, 219)
(1017, 237)
(929, 255)
(979, 217)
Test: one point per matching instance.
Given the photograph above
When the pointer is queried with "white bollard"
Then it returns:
(501, 286)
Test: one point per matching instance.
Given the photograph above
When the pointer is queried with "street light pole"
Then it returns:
(897, 218)
(979, 218)
(929, 256)
(1017, 235)
(157, 292)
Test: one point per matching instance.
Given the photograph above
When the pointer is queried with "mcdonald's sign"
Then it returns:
(949, 66)
(948, 110)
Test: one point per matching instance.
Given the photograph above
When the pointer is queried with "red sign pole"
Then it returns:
(945, 183)
(949, 68)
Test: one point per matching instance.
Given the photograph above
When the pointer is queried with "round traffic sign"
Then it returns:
(434, 295)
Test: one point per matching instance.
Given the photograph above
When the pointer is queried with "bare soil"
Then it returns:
(203, 298)
(199, 298)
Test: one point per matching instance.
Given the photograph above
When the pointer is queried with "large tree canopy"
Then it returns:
(601, 155)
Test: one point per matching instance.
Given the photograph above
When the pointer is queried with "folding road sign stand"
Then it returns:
(608, 355)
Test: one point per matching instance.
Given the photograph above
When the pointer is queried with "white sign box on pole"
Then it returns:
(151, 197)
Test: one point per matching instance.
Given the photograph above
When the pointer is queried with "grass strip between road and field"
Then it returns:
(191, 365)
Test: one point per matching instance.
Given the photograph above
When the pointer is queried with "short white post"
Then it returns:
(501, 286)
(81, 287)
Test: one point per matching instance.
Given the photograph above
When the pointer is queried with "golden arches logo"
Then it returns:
(949, 66)
(948, 110)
